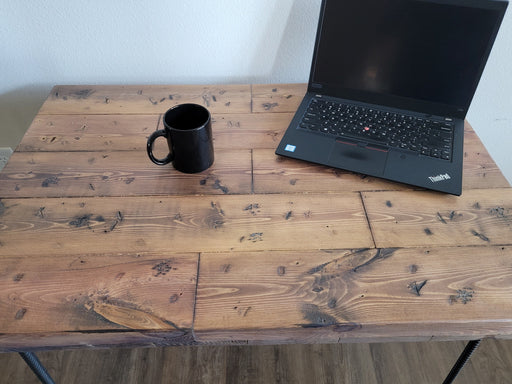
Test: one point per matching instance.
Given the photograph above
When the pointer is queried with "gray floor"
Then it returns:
(381, 363)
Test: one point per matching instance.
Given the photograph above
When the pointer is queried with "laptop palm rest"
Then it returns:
(358, 157)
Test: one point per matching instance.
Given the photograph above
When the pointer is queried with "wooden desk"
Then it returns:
(99, 247)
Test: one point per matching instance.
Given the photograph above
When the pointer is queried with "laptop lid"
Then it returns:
(421, 55)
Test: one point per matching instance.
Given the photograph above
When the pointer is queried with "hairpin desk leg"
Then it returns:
(36, 367)
(462, 360)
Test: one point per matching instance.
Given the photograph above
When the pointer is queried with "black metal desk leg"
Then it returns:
(463, 359)
(36, 367)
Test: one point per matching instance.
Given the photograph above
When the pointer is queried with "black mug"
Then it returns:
(188, 130)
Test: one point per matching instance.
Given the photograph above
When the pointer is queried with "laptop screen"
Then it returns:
(414, 54)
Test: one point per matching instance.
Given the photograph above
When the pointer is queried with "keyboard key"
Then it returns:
(428, 137)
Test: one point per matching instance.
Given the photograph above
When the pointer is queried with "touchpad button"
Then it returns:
(350, 156)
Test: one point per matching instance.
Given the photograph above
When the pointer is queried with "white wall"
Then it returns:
(194, 41)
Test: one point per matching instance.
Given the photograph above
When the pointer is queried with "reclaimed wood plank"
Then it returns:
(182, 223)
(272, 174)
(250, 131)
(144, 99)
(93, 339)
(277, 174)
(275, 267)
(107, 291)
(121, 173)
(277, 97)
(354, 295)
(411, 219)
(53, 133)
(480, 170)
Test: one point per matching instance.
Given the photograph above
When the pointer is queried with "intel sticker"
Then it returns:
(290, 148)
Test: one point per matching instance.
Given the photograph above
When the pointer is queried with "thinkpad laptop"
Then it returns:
(390, 85)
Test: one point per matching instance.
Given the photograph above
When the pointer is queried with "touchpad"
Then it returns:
(353, 157)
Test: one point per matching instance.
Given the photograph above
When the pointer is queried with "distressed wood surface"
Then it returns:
(97, 292)
(120, 173)
(277, 97)
(40, 341)
(55, 133)
(121, 167)
(182, 224)
(276, 174)
(345, 295)
(480, 170)
(144, 99)
(411, 219)
(99, 247)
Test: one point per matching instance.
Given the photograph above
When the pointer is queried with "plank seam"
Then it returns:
(252, 171)
(158, 122)
(195, 296)
(252, 96)
(368, 220)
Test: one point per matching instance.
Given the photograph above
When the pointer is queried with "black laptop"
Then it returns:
(390, 85)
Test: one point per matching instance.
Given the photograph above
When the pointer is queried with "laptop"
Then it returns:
(390, 85)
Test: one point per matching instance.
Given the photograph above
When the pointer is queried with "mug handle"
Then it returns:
(149, 147)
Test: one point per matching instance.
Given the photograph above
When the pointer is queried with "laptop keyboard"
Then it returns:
(427, 137)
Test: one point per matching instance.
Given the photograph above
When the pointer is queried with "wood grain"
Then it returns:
(144, 99)
(271, 98)
(250, 131)
(412, 219)
(277, 174)
(82, 132)
(95, 339)
(120, 173)
(480, 170)
(348, 295)
(112, 173)
(99, 247)
(129, 133)
(85, 292)
(181, 224)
